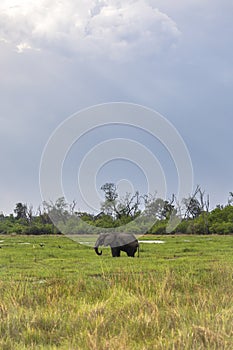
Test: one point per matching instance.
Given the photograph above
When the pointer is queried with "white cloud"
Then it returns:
(114, 29)
(22, 47)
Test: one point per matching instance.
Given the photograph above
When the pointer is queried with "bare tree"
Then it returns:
(72, 207)
(230, 198)
(205, 204)
(118, 207)
(30, 213)
(58, 211)
(158, 207)
(128, 205)
(196, 205)
(192, 205)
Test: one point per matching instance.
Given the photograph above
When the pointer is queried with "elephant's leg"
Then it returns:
(115, 252)
(131, 251)
(134, 251)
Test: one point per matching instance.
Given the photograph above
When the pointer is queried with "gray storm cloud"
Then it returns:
(58, 57)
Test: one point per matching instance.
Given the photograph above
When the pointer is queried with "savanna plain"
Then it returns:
(58, 294)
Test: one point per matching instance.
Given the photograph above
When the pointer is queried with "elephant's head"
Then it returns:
(100, 241)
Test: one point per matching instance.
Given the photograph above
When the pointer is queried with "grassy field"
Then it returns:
(57, 294)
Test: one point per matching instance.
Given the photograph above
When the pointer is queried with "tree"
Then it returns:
(57, 211)
(196, 205)
(127, 206)
(230, 198)
(169, 208)
(154, 207)
(110, 192)
(158, 208)
(30, 216)
(192, 205)
(21, 211)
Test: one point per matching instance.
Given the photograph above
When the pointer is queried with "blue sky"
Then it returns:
(57, 58)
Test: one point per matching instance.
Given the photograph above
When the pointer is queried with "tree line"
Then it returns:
(137, 213)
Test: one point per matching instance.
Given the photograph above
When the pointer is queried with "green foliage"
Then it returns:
(159, 228)
(218, 221)
(154, 218)
(184, 226)
(224, 214)
(104, 220)
(40, 229)
(222, 227)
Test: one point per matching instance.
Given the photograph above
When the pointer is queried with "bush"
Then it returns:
(221, 227)
(40, 229)
(159, 228)
(183, 227)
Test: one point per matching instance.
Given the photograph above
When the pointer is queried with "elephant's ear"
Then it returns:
(101, 239)
(108, 239)
(114, 239)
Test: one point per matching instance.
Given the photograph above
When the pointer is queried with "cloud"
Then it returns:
(119, 30)
(46, 75)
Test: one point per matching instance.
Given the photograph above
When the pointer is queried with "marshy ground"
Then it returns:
(58, 294)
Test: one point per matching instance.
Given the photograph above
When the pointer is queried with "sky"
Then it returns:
(58, 58)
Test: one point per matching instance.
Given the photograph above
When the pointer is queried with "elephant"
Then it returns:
(118, 241)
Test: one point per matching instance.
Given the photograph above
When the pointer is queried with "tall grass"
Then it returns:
(120, 311)
(120, 304)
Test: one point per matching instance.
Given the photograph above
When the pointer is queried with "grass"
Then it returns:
(57, 294)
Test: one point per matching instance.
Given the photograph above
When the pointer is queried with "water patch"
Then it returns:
(152, 241)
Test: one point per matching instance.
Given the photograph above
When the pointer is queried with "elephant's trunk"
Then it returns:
(97, 251)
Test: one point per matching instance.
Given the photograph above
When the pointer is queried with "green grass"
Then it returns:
(177, 295)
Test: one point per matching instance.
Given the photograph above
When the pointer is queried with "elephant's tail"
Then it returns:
(138, 249)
